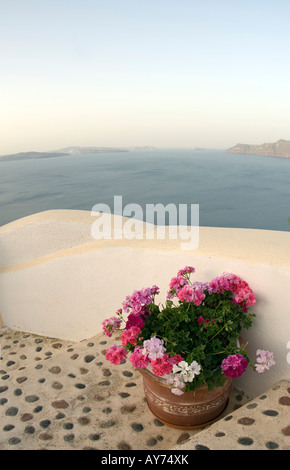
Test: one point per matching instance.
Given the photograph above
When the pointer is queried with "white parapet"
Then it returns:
(57, 280)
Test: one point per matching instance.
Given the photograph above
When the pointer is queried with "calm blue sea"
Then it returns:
(231, 190)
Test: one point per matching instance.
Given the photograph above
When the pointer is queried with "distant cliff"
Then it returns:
(281, 148)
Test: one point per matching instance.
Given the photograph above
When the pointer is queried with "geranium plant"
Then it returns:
(193, 339)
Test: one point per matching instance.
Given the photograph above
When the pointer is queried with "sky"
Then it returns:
(163, 73)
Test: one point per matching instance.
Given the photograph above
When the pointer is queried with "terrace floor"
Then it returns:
(61, 395)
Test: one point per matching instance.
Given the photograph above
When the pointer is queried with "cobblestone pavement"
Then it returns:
(261, 424)
(61, 395)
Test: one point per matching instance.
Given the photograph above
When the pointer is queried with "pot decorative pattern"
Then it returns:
(187, 411)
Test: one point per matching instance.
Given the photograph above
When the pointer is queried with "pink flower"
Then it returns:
(153, 348)
(176, 284)
(190, 294)
(139, 299)
(187, 294)
(115, 354)
(139, 359)
(110, 325)
(241, 290)
(162, 366)
(200, 320)
(265, 361)
(130, 335)
(234, 366)
(176, 359)
(198, 296)
(186, 270)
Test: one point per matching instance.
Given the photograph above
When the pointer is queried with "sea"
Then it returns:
(231, 190)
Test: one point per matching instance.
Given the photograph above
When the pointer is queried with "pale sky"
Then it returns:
(166, 73)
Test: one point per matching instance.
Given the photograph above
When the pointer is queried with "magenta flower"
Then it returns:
(234, 366)
(134, 320)
(115, 354)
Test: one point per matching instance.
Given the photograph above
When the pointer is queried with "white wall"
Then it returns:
(55, 280)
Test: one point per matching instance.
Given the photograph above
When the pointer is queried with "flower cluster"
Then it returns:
(192, 342)
(110, 325)
(182, 373)
(241, 290)
(116, 354)
(234, 365)
(154, 354)
(265, 360)
(138, 301)
(205, 322)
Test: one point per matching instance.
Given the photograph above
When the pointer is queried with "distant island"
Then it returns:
(31, 156)
(281, 148)
(69, 151)
(87, 150)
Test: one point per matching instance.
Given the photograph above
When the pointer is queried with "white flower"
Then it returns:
(186, 372)
(177, 391)
(178, 385)
(181, 367)
(195, 367)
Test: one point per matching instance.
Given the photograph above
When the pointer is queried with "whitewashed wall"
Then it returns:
(56, 280)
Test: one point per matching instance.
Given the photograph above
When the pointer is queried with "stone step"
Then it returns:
(263, 423)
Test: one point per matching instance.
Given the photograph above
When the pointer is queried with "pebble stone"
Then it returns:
(246, 421)
(270, 413)
(272, 445)
(12, 411)
(137, 427)
(245, 441)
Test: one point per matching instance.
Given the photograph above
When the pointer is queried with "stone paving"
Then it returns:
(61, 395)
(261, 424)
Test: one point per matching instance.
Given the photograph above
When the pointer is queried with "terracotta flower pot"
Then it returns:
(190, 410)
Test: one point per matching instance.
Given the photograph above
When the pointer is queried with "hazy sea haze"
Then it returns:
(232, 190)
